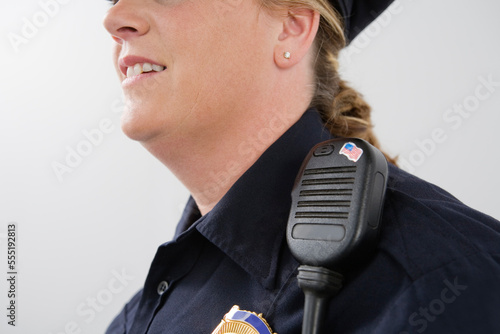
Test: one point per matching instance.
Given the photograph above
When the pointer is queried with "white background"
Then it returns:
(112, 211)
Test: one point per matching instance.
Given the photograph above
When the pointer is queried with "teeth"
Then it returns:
(137, 69)
(158, 68)
(142, 68)
(130, 72)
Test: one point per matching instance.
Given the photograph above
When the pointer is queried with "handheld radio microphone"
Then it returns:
(334, 220)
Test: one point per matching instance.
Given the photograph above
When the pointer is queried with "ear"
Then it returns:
(299, 30)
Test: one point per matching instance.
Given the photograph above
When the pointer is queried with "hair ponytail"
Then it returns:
(343, 109)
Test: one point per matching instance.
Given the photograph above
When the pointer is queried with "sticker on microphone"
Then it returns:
(351, 151)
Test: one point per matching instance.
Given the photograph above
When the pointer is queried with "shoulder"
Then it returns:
(425, 227)
(437, 266)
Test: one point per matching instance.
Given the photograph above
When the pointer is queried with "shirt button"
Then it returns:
(162, 287)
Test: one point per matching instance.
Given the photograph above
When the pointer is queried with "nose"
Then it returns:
(126, 20)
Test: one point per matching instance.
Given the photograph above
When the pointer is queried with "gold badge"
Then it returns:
(237, 321)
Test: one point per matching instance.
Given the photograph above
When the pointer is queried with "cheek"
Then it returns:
(212, 61)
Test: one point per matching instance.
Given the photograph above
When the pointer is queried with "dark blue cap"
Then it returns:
(358, 14)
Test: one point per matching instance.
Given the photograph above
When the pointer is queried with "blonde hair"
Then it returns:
(343, 110)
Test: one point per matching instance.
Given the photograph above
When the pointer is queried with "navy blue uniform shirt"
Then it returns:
(436, 269)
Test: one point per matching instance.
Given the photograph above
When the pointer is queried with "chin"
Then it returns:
(138, 126)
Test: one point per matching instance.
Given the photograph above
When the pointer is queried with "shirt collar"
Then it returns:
(249, 222)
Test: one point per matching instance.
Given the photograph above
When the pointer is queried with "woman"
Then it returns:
(230, 96)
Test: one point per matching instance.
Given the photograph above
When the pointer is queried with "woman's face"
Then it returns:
(201, 61)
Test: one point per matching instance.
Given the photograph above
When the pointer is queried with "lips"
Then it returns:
(132, 66)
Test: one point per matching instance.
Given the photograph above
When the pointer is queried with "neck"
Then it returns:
(211, 160)
(209, 165)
